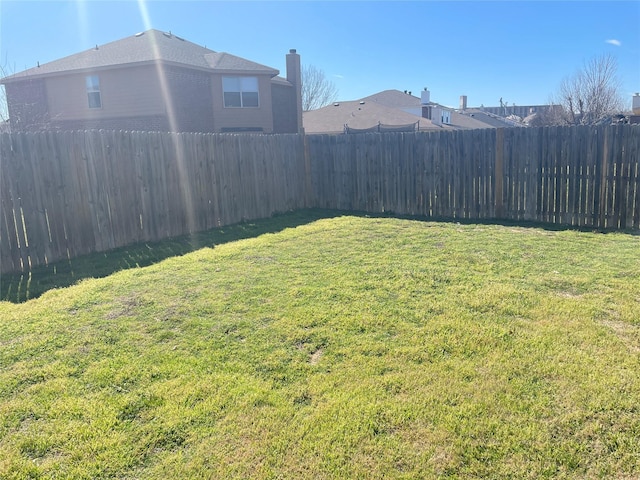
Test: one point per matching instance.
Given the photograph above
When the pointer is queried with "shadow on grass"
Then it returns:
(20, 287)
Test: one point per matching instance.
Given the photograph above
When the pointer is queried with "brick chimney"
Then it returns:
(294, 76)
(636, 104)
(425, 97)
(463, 102)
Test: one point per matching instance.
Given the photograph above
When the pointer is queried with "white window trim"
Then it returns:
(90, 88)
(240, 91)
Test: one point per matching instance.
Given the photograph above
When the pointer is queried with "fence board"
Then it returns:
(634, 197)
(53, 201)
(27, 216)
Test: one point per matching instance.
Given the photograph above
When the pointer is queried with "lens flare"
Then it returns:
(185, 184)
(83, 21)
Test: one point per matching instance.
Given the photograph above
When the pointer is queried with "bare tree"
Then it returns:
(549, 114)
(592, 94)
(4, 111)
(317, 90)
(4, 108)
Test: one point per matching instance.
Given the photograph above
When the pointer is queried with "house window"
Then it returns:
(240, 91)
(93, 91)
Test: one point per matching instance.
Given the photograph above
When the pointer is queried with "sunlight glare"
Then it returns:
(173, 125)
(83, 21)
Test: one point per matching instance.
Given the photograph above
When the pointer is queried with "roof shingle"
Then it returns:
(358, 114)
(226, 61)
(145, 47)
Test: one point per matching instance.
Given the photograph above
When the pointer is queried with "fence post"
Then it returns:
(603, 180)
(498, 173)
(307, 171)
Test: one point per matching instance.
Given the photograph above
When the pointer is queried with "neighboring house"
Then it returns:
(464, 118)
(360, 115)
(391, 108)
(160, 82)
(491, 120)
(522, 111)
(519, 116)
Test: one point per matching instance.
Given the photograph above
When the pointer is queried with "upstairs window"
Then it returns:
(240, 91)
(93, 91)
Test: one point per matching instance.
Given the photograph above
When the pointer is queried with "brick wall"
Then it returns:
(191, 97)
(284, 109)
(191, 94)
(27, 103)
(193, 106)
(151, 123)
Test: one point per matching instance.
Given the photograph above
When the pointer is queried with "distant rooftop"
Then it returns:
(394, 99)
(390, 107)
(359, 114)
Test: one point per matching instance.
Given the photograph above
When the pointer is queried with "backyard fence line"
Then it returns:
(584, 176)
(65, 194)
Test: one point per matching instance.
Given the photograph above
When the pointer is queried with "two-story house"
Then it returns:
(156, 81)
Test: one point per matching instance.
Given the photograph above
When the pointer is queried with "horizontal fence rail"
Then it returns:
(65, 194)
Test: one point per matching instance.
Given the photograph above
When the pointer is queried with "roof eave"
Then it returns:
(32, 75)
(239, 71)
(281, 81)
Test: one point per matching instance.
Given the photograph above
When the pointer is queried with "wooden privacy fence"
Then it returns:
(71, 193)
(576, 176)
(66, 194)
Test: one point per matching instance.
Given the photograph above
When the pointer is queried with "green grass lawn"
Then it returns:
(348, 347)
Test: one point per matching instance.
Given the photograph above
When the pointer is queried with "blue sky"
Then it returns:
(515, 50)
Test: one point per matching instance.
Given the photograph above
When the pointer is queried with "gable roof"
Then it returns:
(226, 62)
(393, 99)
(147, 47)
